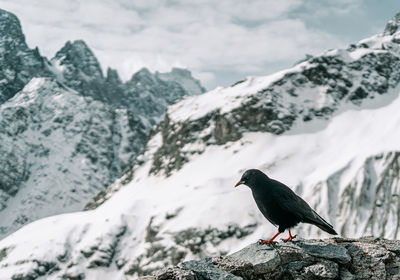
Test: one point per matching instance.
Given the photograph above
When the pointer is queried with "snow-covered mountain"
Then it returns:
(66, 131)
(58, 150)
(146, 94)
(328, 127)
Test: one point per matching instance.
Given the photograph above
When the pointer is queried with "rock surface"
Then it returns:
(18, 63)
(146, 94)
(336, 258)
(58, 150)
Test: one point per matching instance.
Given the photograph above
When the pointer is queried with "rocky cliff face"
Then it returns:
(80, 70)
(66, 130)
(393, 25)
(146, 94)
(150, 95)
(364, 203)
(18, 63)
(338, 258)
(58, 150)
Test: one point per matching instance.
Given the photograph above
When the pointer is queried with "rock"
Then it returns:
(262, 258)
(336, 258)
(47, 126)
(344, 274)
(206, 269)
(173, 273)
(325, 269)
(180, 244)
(326, 250)
(365, 200)
(18, 63)
(146, 94)
(184, 78)
(393, 25)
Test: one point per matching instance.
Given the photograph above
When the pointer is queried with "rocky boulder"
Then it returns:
(336, 258)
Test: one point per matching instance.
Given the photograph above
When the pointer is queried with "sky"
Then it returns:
(219, 41)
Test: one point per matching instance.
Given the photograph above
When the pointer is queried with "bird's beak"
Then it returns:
(239, 183)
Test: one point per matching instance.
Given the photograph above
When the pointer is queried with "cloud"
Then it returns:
(206, 36)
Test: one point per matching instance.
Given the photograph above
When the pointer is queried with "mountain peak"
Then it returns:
(143, 72)
(10, 26)
(185, 78)
(112, 76)
(393, 25)
(144, 76)
(76, 45)
(180, 71)
(89, 127)
(18, 62)
(78, 55)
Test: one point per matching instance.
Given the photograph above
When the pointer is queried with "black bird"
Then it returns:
(280, 205)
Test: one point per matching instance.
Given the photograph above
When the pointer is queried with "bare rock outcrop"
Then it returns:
(336, 258)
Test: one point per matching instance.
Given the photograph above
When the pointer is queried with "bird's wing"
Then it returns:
(295, 205)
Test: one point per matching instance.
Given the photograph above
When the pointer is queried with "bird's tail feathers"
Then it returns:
(321, 223)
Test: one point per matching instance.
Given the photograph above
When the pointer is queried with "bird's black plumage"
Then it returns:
(279, 204)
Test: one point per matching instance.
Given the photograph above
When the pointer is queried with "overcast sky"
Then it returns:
(220, 41)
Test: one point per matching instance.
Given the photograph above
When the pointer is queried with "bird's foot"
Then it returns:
(269, 241)
(290, 238)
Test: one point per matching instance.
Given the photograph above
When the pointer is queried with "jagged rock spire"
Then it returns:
(18, 63)
(79, 56)
(393, 25)
(10, 27)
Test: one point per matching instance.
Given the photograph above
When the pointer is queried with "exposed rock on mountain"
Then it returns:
(365, 202)
(365, 258)
(184, 78)
(146, 94)
(312, 90)
(18, 63)
(58, 150)
(150, 96)
(393, 25)
(70, 132)
(80, 69)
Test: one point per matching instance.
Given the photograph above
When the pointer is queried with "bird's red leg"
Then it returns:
(269, 241)
(290, 237)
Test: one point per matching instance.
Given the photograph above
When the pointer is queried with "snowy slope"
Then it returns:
(179, 202)
(295, 100)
